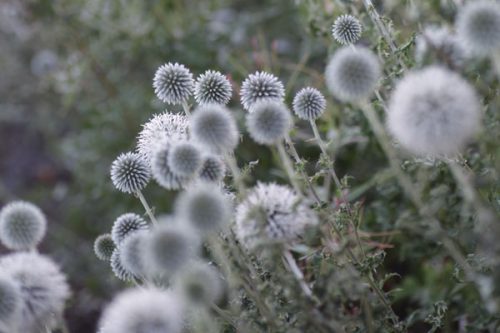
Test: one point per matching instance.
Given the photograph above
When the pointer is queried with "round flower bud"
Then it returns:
(272, 214)
(184, 158)
(433, 112)
(204, 206)
(104, 247)
(213, 169)
(130, 173)
(478, 26)
(143, 310)
(199, 283)
(22, 225)
(352, 74)
(162, 172)
(131, 253)
(442, 44)
(269, 122)
(173, 83)
(347, 29)
(10, 299)
(214, 127)
(309, 104)
(261, 86)
(125, 225)
(118, 269)
(212, 88)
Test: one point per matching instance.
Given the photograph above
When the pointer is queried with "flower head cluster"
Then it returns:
(10, 300)
(213, 169)
(173, 83)
(199, 283)
(212, 88)
(269, 122)
(119, 270)
(261, 86)
(309, 103)
(130, 173)
(104, 247)
(184, 159)
(162, 172)
(347, 29)
(439, 41)
(125, 225)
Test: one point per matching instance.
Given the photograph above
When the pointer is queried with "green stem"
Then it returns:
(299, 276)
(287, 165)
(146, 207)
(185, 106)
(238, 180)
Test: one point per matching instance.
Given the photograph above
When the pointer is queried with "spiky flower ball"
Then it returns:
(127, 224)
(130, 173)
(433, 112)
(22, 225)
(213, 169)
(270, 214)
(352, 74)
(10, 299)
(132, 253)
(104, 247)
(199, 283)
(43, 289)
(119, 270)
(347, 29)
(269, 122)
(168, 248)
(184, 158)
(212, 88)
(143, 311)
(309, 104)
(162, 172)
(158, 130)
(261, 86)
(173, 83)
(478, 25)
(204, 206)
(214, 127)
(440, 42)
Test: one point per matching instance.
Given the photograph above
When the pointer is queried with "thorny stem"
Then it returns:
(287, 164)
(146, 207)
(294, 268)
(185, 106)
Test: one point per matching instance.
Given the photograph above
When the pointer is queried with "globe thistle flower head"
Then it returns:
(173, 83)
(261, 86)
(162, 172)
(43, 289)
(143, 310)
(130, 173)
(442, 44)
(199, 283)
(22, 225)
(433, 112)
(478, 26)
(212, 88)
(132, 254)
(104, 247)
(125, 225)
(269, 122)
(10, 300)
(309, 104)
(272, 214)
(184, 159)
(214, 127)
(159, 129)
(204, 207)
(118, 269)
(352, 74)
(347, 29)
(213, 169)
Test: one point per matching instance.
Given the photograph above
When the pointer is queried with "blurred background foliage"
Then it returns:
(76, 85)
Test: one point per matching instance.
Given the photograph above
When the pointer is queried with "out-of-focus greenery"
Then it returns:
(76, 86)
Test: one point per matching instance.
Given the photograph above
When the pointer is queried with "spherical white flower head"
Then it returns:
(199, 283)
(347, 29)
(214, 127)
(204, 207)
(446, 46)
(143, 311)
(212, 88)
(478, 25)
(213, 169)
(433, 111)
(159, 129)
(269, 122)
(272, 213)
(309, 104)
(173, 83)
(184, 158)
(125, 225)
(168, 248)
(132, 253)
(104, 247)
(261, 86)
(162, 172)
(352, 74)
(10, 300)
(43, 288)
(119, 270)
(22, 225)
(130, 173)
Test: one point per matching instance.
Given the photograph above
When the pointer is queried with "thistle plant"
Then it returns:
(347, 29)
(261, 86)
(212, 88)
(104, 247)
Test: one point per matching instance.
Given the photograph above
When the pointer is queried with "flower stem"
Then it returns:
(237, 179)
(146, 207)
(287, 164)
(294, 268)
(185, 106)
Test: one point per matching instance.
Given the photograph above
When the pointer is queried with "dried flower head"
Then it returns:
(184, 158)
(130, 173)
(309, 104)
(162, 172)
(347, 29)
(212, 88)
(125, 225)
(22, 225)
(213, 169)
(352, 73)
(199, 283)
(269, 122)
(104, 247)
(261, 86)
(173, 83)
(433, 111)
